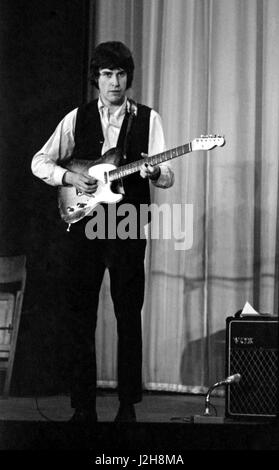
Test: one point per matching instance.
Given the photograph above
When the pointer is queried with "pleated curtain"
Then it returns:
(208, 67)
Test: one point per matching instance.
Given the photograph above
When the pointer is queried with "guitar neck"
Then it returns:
(133, 167)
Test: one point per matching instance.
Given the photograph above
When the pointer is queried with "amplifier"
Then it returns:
(252, 351)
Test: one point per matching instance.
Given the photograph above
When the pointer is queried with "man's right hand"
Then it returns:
(81, 182)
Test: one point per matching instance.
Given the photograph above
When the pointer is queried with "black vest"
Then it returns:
(89, 140)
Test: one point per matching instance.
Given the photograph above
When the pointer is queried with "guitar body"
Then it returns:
(74, 205)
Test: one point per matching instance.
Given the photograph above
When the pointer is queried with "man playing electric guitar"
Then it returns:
(86, 134)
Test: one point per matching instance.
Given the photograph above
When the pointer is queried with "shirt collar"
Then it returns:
(120, 111)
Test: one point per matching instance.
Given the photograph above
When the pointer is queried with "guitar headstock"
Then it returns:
(208, 142)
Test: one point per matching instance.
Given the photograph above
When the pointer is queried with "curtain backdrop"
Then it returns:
(208, 67)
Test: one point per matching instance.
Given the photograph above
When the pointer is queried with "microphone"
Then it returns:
(207, 416)
(231, 379)
(235, 378)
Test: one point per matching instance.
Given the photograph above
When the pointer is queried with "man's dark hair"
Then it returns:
(111, 55)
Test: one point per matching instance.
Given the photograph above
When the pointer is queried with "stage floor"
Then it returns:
(154, 408)
(164, 424)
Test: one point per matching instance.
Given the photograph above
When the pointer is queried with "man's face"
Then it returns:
(112, 86)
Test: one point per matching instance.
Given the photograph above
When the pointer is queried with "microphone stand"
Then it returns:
(207, 417)
(207, 400)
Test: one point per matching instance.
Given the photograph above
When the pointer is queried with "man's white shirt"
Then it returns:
(47, 162)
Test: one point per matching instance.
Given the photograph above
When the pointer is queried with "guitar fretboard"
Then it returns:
(133, 167)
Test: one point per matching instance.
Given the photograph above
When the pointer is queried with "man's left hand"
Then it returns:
(149, 171)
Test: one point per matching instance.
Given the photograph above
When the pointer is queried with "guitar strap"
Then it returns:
(132, 111)
(122, 143)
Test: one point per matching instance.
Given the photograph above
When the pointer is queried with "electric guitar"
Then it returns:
(74, 205)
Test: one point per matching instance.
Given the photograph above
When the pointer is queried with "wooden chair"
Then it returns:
(12, 285)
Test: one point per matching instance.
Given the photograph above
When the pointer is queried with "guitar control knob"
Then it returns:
(70, 209)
